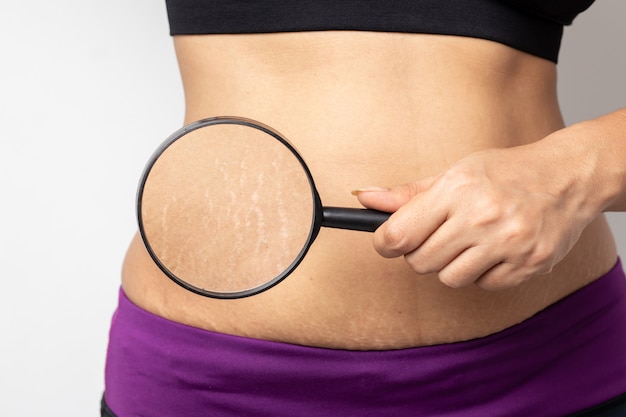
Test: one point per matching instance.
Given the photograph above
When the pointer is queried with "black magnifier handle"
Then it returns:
(363, 220)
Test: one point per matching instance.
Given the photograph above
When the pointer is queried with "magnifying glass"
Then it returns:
(227, 208)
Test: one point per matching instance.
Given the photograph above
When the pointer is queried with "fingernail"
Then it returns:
(368, 189)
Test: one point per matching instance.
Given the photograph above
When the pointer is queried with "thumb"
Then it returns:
(391, 199)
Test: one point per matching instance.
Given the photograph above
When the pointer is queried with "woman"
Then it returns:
(498, 291)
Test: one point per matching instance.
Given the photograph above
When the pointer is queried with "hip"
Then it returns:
(576, 345)
(343, 295)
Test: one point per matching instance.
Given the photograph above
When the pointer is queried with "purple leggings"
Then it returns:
(564, 359)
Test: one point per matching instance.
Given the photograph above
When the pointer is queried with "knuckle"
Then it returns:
(488, 212)
(395, 239)
(537, 256)
(494, 283)
(517, 230)
(541, 261)
(418, 266)
(451, 279)
(457, 180)
(505, 278)
(498, 283)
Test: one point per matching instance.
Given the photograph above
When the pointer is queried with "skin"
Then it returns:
(496, 192)
(497, 207)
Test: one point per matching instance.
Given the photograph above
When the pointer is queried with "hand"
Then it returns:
(495, 218)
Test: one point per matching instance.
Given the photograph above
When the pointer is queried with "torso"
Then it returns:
(370, 109)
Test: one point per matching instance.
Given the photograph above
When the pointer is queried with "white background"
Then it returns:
(87, 90)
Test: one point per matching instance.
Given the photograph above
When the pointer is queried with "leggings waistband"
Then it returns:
(566, 358)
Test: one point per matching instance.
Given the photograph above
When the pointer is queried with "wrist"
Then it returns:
(591, 156)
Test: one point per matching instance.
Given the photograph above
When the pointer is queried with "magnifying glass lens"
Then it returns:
(225, 209)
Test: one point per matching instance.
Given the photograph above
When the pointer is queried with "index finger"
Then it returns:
(410, 226)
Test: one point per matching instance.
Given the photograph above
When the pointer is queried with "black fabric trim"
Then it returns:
(486, 19)
(560, 11)
(615, 407)
(612, 408)
(105, 411)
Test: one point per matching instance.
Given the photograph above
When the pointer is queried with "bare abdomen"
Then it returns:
(370, 109)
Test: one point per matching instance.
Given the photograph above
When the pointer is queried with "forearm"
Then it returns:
(593, 154)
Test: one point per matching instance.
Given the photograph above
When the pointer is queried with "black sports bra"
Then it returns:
(533, 26)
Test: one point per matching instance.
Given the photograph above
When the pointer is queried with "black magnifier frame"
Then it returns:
(366, 220)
